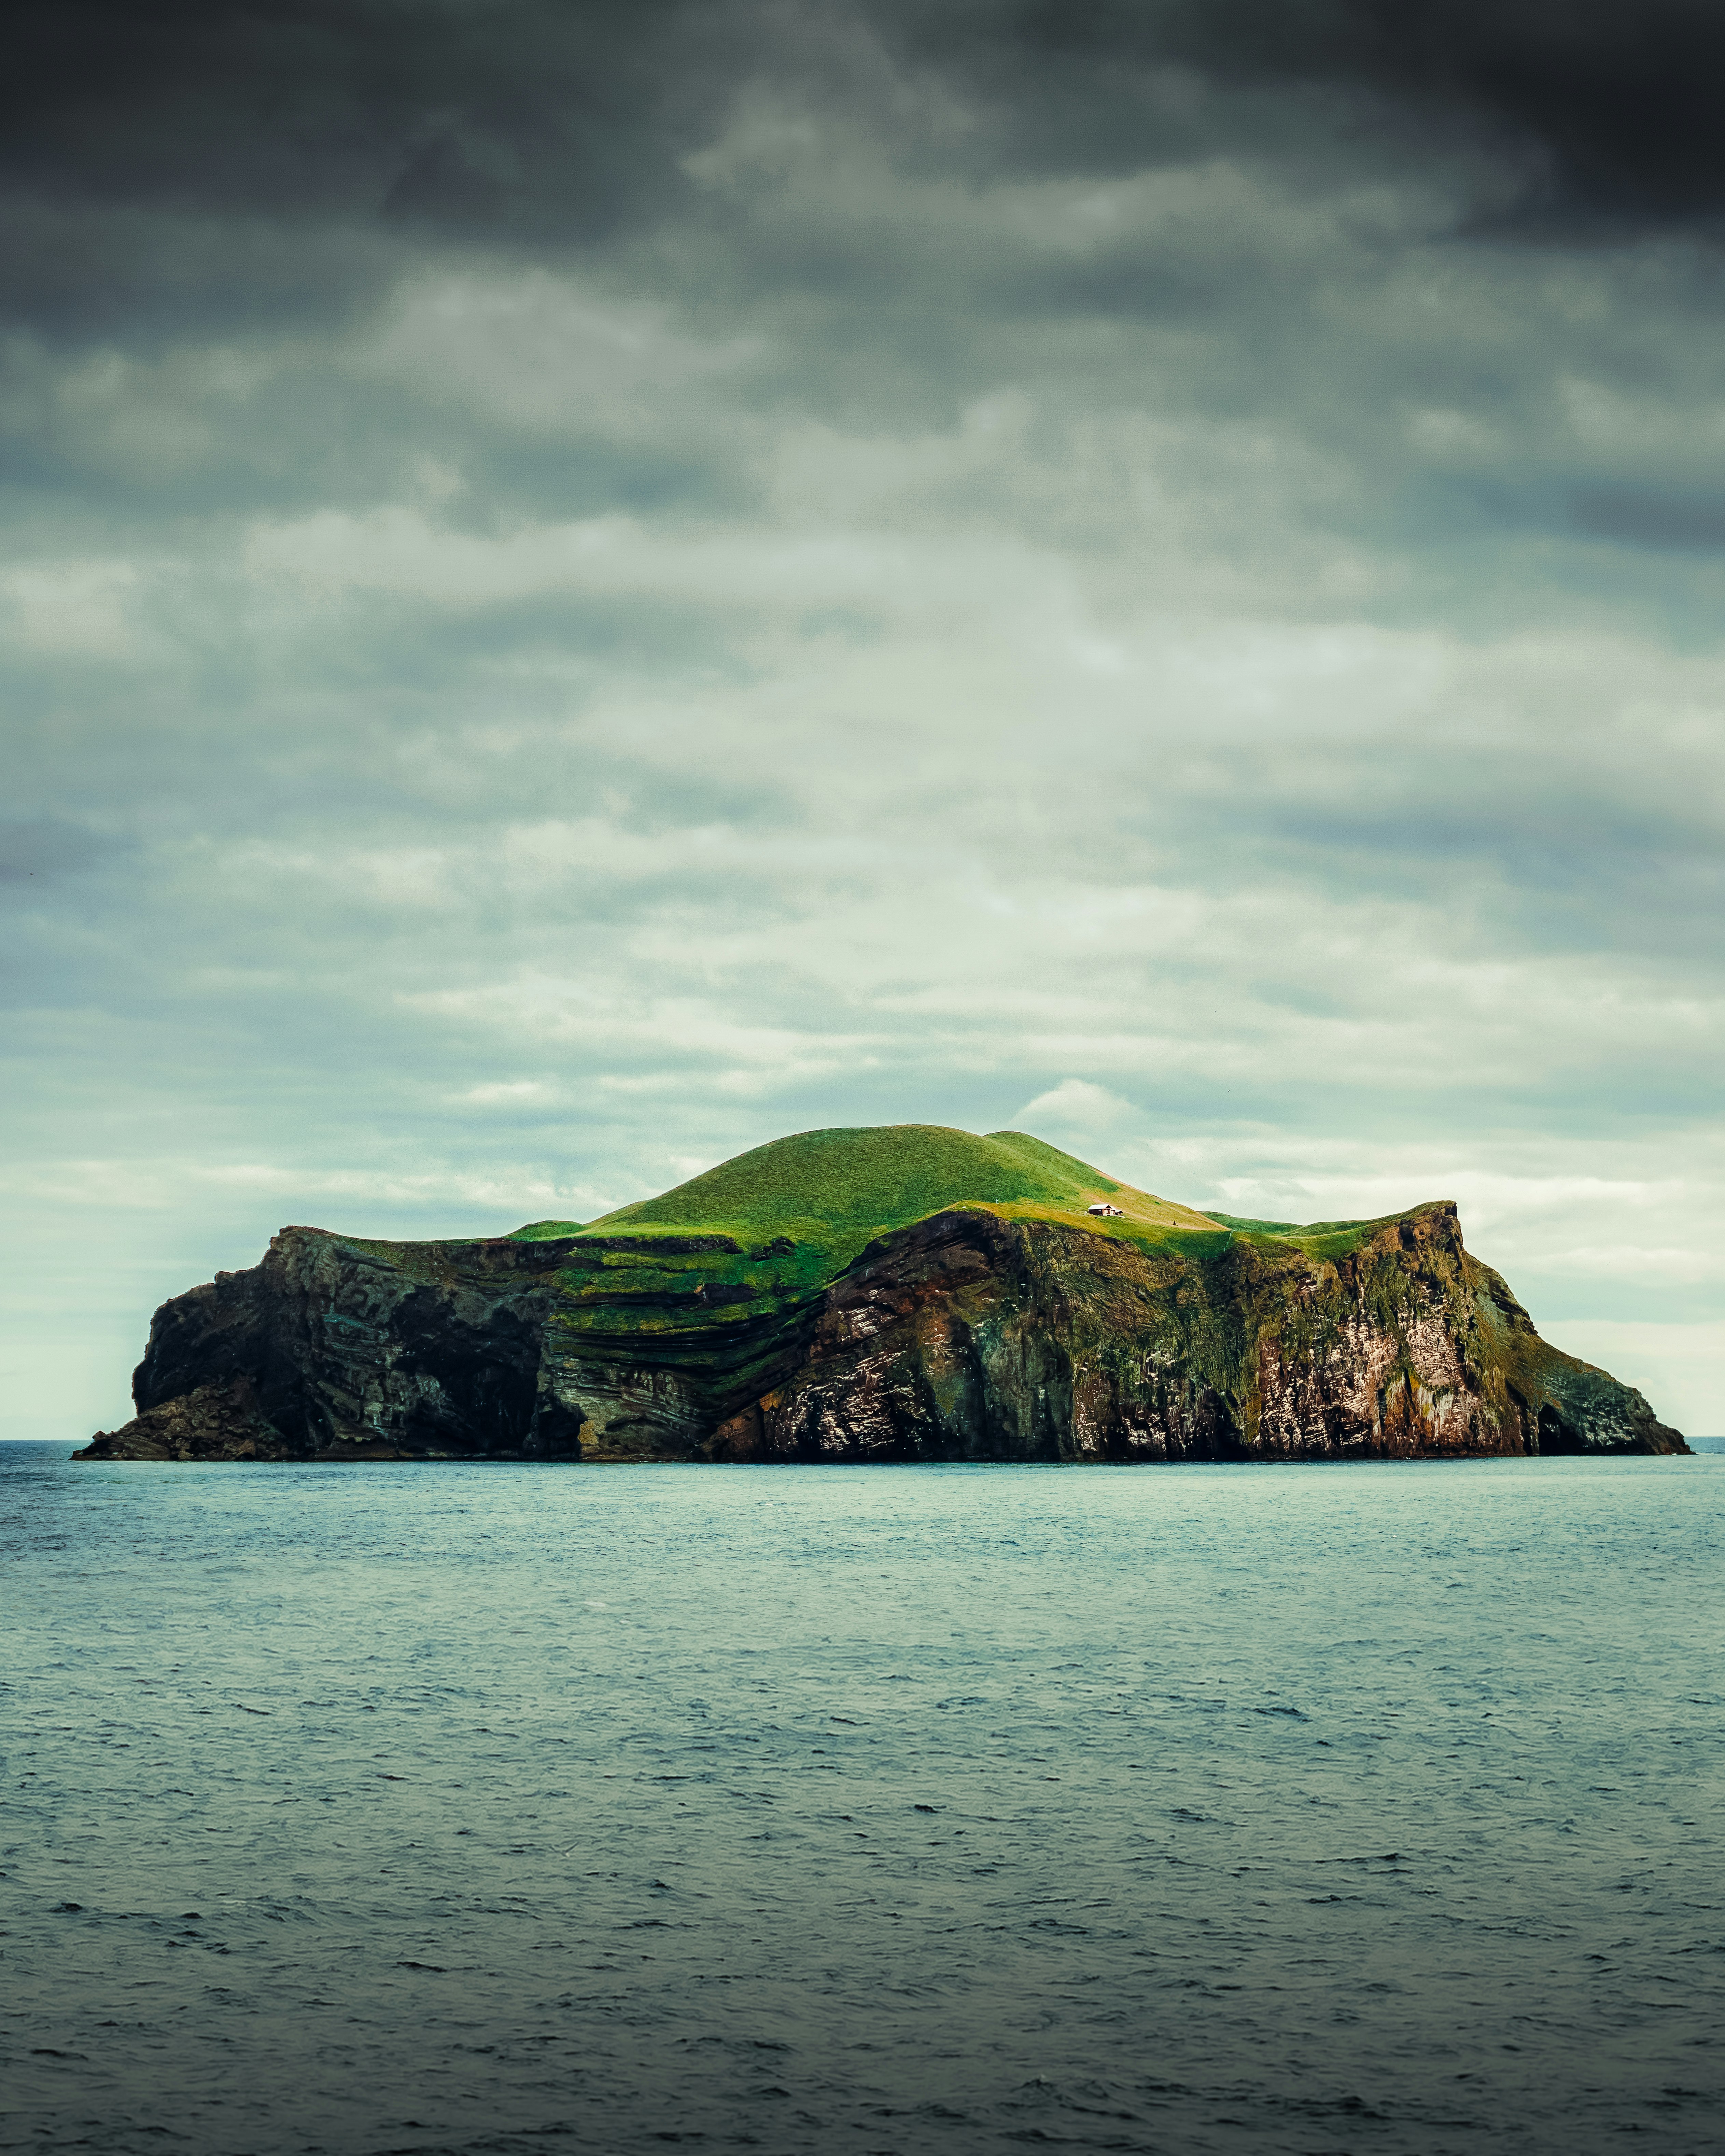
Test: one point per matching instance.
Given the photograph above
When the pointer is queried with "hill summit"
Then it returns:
(838, 1190)
(907, 1293)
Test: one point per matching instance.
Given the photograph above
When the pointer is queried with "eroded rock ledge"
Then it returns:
(968, 1335)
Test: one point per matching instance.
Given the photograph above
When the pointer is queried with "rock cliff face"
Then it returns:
(966, 1335)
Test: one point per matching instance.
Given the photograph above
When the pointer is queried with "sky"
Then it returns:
(582, 587)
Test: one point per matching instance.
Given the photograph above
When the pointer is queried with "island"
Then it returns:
(907, 1293)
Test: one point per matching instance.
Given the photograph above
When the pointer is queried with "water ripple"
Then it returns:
(456, 1809)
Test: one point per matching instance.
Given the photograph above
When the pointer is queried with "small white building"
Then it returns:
(1106, 1212)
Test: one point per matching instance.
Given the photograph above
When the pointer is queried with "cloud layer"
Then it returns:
(579, 587)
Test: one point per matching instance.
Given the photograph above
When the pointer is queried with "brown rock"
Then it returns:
(966, 1335)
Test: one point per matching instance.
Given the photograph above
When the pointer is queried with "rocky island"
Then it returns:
(907, 1293)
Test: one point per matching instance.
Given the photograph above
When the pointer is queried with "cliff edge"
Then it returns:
(904, 1293)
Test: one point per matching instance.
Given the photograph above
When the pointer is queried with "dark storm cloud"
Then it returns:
(1612, 107)
(546, 119)
(167, 167)
(162, 155)
(521, 109)
(1618, 97)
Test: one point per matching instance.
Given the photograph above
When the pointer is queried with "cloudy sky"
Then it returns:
(584, 586)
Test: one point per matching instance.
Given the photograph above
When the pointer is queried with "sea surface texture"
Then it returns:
(514, 1808)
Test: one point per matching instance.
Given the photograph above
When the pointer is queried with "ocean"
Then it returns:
(934, 1810)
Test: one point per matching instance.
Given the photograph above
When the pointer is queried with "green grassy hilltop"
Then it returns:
(785, 1219)
(830, 1192)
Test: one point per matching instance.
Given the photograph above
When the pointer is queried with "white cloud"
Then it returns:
(73, 609)
(1074, 1105)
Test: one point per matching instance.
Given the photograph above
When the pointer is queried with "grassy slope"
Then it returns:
(832, 1191)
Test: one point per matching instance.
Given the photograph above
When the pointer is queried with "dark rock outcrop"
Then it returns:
(968, 1335)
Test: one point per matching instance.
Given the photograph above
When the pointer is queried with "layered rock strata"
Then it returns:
(968, 1335)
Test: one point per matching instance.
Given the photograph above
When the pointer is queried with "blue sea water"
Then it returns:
(929, 1810)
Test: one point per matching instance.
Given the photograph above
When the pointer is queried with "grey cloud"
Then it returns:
(167, 164)
(43, 850)
(125, 130)
(79, 270)
(336, 106)
(1693, 523)
(1607, 110)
